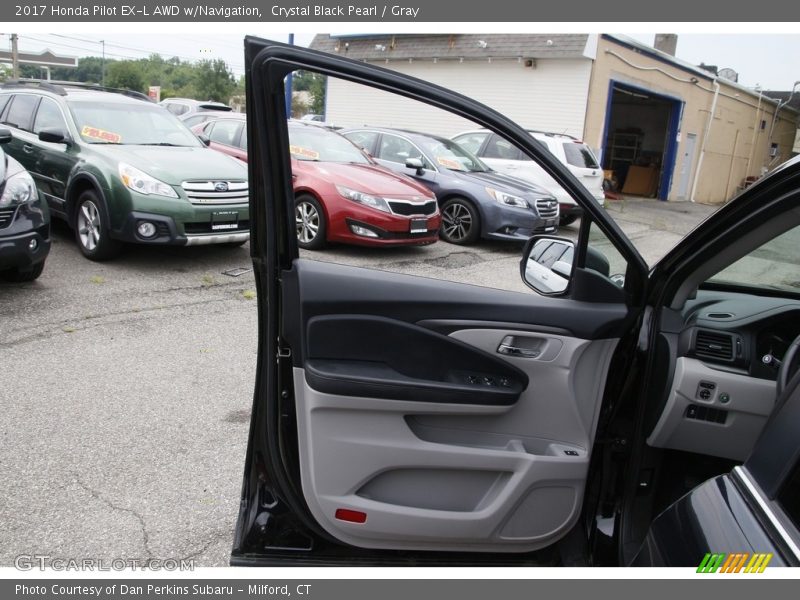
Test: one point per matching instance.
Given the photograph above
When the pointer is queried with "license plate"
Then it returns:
(224, 220)
(419, 226)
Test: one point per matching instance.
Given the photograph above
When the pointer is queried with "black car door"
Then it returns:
(395, 412)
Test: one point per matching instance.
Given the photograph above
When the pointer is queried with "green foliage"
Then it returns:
(314, 84)
(126, 75)
(214, 81)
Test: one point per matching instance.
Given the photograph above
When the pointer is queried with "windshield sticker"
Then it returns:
(306, 153)
(449, 163)
(101, 134)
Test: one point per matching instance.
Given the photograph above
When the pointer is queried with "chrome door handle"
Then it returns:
(520, 352)
(521, 347)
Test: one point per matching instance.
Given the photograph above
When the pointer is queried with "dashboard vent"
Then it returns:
(714, 344)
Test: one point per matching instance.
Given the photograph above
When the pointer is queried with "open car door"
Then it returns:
(394, 412)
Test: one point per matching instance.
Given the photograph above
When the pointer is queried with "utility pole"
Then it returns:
(103, 64)
(14, 57)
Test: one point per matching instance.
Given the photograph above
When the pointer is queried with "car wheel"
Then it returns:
(310, 223)
(91, 232)
(21, 275)
(567, 220)
(461, 223)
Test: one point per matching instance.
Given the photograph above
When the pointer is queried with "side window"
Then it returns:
(363, 139)
(20, 114)
(48, 116)
(225, 132)
(3, 102)
(500, 148)
(177, 109)
(194, 120)
(553, 254)
(471, 142)
(398, 150)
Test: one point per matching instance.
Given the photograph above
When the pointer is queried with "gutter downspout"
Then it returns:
(705, 140)
(755, 132)
(775, 116)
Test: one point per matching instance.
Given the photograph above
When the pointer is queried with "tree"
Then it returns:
(214, 81)
(127, 75)
(314, 84)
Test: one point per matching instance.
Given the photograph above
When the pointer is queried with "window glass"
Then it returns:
(195, 120)
(579, 155)
(364, 139)
(48, 116)
(471, 142)
(225, 132)
(312, 143)
(773, 265)
(20, 114)
(3, 101)
(177, 109)
(396, 149)
(500, 148)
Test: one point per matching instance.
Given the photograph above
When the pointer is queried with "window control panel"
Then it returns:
(705, 413)
(488, 380)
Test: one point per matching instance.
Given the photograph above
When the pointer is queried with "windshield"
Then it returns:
(320, 144)
(448, 154)
(130, 124)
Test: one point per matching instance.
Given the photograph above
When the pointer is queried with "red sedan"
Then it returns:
(342, 195)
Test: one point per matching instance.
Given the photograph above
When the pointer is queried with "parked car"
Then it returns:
(185, 107)
(504, 156)
(24, 221)
(405, 420)
(119, 168)
(341, 194)
(476, 201)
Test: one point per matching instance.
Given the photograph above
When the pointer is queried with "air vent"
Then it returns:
(720, 315)
(713, 344)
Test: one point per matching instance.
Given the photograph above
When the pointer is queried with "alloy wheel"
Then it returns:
(457, 221)
(307, 222)
(89, 225)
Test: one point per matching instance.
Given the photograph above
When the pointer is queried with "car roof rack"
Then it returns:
(552, 133)
(60, 87)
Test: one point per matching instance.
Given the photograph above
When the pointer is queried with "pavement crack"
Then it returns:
(96, 495)
(204, 548)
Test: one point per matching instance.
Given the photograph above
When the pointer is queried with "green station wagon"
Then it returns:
(119, 168)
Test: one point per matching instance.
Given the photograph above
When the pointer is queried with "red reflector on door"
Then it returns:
(352, 516)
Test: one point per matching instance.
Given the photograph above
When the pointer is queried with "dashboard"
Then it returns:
(719, 388)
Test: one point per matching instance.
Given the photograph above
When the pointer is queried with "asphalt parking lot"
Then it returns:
(127, 386)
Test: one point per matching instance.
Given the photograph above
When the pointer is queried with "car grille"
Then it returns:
(406, 208)
(216, 192)
(547, 208)
(205, 227)
(6, 216)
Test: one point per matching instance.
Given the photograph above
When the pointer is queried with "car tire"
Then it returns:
(461, 222)
(91, 230)
(310, 223)
(567, 220)
(19, 275)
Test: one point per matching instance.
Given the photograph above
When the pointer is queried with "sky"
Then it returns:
(768, 60)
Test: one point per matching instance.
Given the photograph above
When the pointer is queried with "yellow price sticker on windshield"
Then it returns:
(449, 163)
(100, 134)
(304, 152)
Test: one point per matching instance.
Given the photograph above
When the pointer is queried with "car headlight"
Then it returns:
(375, 202)
(141, 182)
(20, 188)
(507, 199)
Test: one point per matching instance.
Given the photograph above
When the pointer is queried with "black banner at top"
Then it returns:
(366, 11)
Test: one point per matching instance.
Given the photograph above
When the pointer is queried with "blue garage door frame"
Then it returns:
(673, 129)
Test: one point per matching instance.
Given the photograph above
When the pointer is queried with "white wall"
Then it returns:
(551, 96)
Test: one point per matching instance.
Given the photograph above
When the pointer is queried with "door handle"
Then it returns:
(27, 148)
(522, 348)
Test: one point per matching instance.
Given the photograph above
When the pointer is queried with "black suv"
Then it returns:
(24, 221)
(119, 168)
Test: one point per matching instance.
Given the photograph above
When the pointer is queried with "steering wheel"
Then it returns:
(791, 361)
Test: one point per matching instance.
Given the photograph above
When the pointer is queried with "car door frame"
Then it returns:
(273, 248)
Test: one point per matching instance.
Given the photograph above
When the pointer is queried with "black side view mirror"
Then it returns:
(416, 164)
(54, 135)
(546, 265)
(5, 136)
(204, 138)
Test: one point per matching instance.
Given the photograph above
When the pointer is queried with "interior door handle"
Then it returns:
(27, 148)
(522, 348)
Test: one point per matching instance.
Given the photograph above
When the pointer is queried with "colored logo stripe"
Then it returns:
(734, 563)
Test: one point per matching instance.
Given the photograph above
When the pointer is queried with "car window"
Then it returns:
(500, 148)
(225, 132)
(48, 116)
(553, 254)
(396, 149)
(132, 123)
(448, 154)
(3, 101)
(195, 120)
(365, 139)
(471, 141)
(20, 113)
(773, 265)
(579, 155)
(177, 109)
(309, 142)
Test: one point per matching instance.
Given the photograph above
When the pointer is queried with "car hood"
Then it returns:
(367, 178)
(502, 182)
(174, 164)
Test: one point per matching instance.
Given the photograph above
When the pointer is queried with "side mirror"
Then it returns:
(5, 136)
(204, 138)
(54, 135)
(546, 265)
(416, 164)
